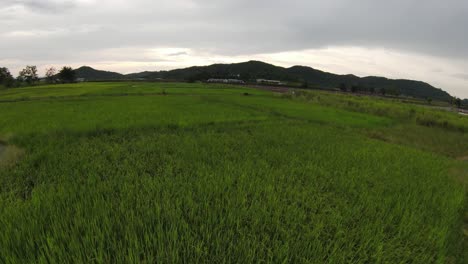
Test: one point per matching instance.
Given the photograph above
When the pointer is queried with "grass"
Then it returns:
(87, 114)
(120, 89)
(430, 129)
(216, 176)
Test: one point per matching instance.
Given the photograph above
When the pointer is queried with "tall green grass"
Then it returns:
(423, 127)
(394, 108)
(120, 89)
(222, 178)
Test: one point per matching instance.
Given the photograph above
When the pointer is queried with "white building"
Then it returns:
(234, 81)
(273, 82)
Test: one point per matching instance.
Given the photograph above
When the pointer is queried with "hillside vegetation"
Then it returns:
(174, 172)
(249, 71)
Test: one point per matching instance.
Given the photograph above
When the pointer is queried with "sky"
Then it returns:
(402, 39)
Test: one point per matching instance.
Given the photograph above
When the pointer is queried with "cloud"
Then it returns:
(463, 76)
(43, 5)
(248, 27)
(180, 53)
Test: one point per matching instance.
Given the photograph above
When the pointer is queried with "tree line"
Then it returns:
(371, 90)
(390, 92)
(30, 76)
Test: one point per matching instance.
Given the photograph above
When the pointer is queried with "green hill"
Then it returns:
(251, 70)
(91, 74)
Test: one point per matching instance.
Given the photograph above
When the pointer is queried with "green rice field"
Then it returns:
(133, 172)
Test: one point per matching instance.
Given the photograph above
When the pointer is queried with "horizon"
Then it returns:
(397, 40)
(286, 67)
(42, 72)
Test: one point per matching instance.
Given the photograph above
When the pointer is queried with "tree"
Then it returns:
(383, 91)
(4, 74)
(457, 101)
(202, 76)
(6, 78)
(28, 75)
(343, 87)
(305, 84)
(393, 91)
(246, 77)
(354, 88)
(50, 74)
(372, 90)
(67, 75)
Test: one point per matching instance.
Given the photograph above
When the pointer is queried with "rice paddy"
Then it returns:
(170, 173)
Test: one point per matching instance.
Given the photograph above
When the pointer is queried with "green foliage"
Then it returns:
(6, 79)
(430, 125)
(118, 173)
(28, 75)
(296, 75)
(121, 89)
(51, 75)
(383, 91)
(457, 102)
(67, 75)
(390, 108)
(343, 87)
(91, 74)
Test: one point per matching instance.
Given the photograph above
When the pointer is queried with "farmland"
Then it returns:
(131, 172)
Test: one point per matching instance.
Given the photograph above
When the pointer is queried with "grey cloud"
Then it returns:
(42, 5)
(175, 54)
(247, 27)
(463, 76)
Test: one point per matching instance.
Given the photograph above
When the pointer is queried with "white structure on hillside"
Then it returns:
(272, 82)
(234, 81)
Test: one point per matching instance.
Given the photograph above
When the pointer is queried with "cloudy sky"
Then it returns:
(411, 39)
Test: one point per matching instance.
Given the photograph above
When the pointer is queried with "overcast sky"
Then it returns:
(413, 39)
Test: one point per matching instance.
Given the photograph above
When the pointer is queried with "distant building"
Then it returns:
(463, 111)
(272, 82)
(232, 81)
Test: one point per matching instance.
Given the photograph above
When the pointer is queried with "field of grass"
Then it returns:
(118, 89)
(171, 172)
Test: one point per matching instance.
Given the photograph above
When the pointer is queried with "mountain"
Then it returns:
(252, 70)
(412, 88)
(91, 74)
